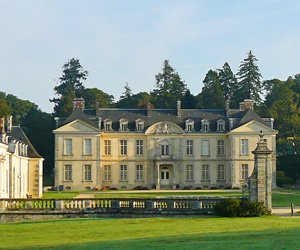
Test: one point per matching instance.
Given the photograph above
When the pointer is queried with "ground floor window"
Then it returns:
(221, 172)
(68, 172)
(190, 172)
(245, 171)
(205, 172)
(139, 172)
(123, 172)
(87, 172)
(107, 172)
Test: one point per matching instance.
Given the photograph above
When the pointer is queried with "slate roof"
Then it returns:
(18, 134)
(239, 117)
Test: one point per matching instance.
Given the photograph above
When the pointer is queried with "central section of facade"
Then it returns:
(158, 148)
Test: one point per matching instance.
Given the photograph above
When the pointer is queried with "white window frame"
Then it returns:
(189, 172)
(190, 147)
(87, 146)
(107, 125)
(220, 125)
(205, 172)
(244, 171)
(205, 150)
(164, 148)
(221, 147)
(87, 172)
(107, 172)
(221, 172)
(123, 173)
(139, 172)
(139, 147)
(123, 125)
(205, 126)
(189, 126)
(123, 147)
(68, 147)
(244, 147)
(139, 125)
(107, 147)
(68, 172)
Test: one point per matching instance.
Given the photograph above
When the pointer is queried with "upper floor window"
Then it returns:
(107, 147)
(123, 144)
(189, 147)
(205, 147)
(164, 148)
(244, 147)
(123, 125)
(221, 147)
(189, 125)
(205, 125)
(87, 146)
(107, 125)
(68, 147)
(221, 125)
(139, 147)
(139, 125)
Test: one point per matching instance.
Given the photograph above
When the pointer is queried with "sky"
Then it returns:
(127, 41)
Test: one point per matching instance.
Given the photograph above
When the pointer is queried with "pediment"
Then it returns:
(77, 126)
(254, 127)
(164, 128)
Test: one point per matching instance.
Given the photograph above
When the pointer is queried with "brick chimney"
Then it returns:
(178, 108)
(78, 103)
(247, 104)
(148, 109)
(9, 123)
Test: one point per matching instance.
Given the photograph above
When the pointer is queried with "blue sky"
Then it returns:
(127, 41)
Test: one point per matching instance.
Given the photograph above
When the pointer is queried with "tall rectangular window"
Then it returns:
(205, 172)
(190, 172)
(68, 173)
(205, 147)
(68, 147)
(245, 172)
(189, 147)
(87, 146)
(107, 172)
(164, 149)
(123, 147)
(244, 147)
(221, 147)
(107, 147)
(87, 172)
(221, 172)
(123, 172)
(139, 147)
(139, 172)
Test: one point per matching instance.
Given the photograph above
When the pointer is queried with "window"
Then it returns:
(190, 172)
(68, 146)
(123, 173)
(123, 147)
(107, 147)
(205, 125)
(107, 173)
(139, 147)
(123, 125)
(221, 172)
(87, 172)
(221, 147)
(244, 171)
(205, 147)
(139, 125)
(220, 125)
(164, 148)
(205, 172)
(87, 146)
(139, 172)
(107, 125)
(189, 147)
(68, 172)
(189, 125)
(244, 147)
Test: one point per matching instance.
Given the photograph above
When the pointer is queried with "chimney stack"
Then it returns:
(247, 104)
(178, 108)
(148, 109)
(78, 103)
(227, 107)
(9, 123)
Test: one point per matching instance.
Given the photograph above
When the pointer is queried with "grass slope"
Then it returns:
(154, 233)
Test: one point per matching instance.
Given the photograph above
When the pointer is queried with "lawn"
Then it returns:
(60, 195)
(154, 233)
(285, 200)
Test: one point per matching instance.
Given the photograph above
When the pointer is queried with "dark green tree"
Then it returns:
(212, 95)
(188, 101)
(169, 87)
(249, 85)
(70, 86)
(94, 95)
(4, 108)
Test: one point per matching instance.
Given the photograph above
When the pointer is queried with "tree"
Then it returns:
(4, 108)
(249, 86)
(212, 95)
(169, 87)
(188, 101)
(127, 92)
(94, 95)
(70, 86)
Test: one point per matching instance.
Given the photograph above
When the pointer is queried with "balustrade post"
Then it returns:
(29, 204)
(115, 204)
(2, 205)
(59, 204)
(87, 204)
(149, 204)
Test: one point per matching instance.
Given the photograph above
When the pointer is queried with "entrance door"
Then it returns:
(165, 176)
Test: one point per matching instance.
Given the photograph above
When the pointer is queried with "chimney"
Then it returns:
(178, 108)
(148, 109)
(227, 107)
(247, 104)
(78, 103)
(99, 120)
(9, 123)
(2, 128)
(271, 123)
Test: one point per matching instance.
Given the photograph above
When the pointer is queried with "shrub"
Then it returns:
(137, 188)
(113, 188)
(187, 188)
(144, 188)
(213, 188)
(153, 186)
(236, 208)
(177, 186)
(280, 181)
(198, 188)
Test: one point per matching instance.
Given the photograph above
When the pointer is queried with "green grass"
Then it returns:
(285, 200)
(288, 191)
(154, 233)
(60, 195)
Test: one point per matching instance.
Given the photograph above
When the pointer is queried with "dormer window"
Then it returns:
(123, 125)
(189, 126)
(205, 125)
(139, 125)
(108, 125)
(220, 125)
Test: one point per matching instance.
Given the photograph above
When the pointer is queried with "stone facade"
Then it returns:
(163, 149)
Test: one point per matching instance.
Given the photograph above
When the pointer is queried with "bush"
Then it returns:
(187, 188)
(113, 188)
(198, 188)
(280, 181)
(213, 188)
(144, 188)
(137, 188)
(236, 208)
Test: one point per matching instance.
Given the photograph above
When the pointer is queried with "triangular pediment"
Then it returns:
(254, 127)
(77, 126)
(164, 128)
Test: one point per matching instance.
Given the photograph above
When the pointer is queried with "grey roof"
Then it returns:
(77, 114)
(250, 115)
(18, 134)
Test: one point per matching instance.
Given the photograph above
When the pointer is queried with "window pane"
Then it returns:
(87, 146)
(68, 146)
